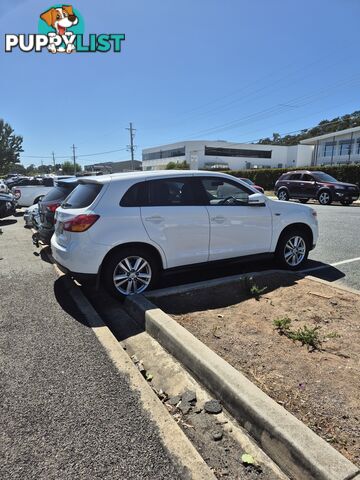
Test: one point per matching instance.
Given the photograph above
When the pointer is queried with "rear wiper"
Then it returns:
(66, 205)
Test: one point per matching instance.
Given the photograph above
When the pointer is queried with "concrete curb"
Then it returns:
(294, 447)
(189, 462)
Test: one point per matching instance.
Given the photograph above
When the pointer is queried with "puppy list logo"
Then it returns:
(61, 30)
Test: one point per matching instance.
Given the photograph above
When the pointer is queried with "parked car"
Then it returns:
(48, 205)
(32, 216)
(305, 185)
(124, 229)
(250, 182)
(33, 190)
(7, 205)
(3, 187)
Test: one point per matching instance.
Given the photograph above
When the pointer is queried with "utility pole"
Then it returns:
(132, 146)
(53, 155)
(74, 157)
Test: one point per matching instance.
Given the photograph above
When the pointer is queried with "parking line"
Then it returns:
(336, 264)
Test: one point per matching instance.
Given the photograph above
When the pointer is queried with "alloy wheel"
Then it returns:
(283, 195)
(324, 198)
(132, 275)
(295, 251)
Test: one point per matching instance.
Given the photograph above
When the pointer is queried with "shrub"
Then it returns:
(266, 177)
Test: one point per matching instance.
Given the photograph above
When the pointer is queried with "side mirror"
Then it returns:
(257, 200)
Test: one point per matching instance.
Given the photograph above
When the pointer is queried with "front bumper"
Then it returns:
(344, 194)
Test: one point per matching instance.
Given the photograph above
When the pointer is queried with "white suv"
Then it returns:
(124, 229)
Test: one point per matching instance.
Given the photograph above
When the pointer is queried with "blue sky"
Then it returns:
(235, 70)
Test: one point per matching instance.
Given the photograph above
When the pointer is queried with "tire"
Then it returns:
(304, 200)
(293, 249)
(123, 263)
(283, 195)
(346, 202)
(324, 197)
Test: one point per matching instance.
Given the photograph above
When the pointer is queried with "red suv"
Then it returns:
(305, 185)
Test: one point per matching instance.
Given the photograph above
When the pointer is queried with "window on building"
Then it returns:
(345, 147)
(328, 149)
(237, 152)
(176, 152)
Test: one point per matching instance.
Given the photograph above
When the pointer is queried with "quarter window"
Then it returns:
(224, 192)
(136, 196)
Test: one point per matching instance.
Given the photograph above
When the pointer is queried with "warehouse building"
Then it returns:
(114, 167)
(216, 155)
(335, 148)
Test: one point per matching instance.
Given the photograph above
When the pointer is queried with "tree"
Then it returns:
(68, 168)
(325, 126)
(17, 168)
(10, 147)
(177, 165)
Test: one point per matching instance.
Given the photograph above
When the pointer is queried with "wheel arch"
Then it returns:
(150, 248)
(298, 226)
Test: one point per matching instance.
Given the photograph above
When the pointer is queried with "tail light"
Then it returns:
(16, 193)
(51, 208)
(81, 223)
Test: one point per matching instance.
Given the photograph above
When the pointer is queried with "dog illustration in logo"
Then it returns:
(60, 19)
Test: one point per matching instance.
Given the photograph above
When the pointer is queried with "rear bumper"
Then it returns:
(82, 278)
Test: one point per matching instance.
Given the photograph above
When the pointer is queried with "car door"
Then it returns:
(308, 186)
(294, 186)
(236, 228)
(176, 221)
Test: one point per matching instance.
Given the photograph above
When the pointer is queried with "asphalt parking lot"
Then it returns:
(336, 257)
(66, 412)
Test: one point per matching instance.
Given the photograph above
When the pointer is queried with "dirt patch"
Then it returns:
(321, 386)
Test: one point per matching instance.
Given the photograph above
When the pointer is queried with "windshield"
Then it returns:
(324, 177)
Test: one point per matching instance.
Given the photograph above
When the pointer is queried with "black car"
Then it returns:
(7, 205)
(49, 204)
(305, 185)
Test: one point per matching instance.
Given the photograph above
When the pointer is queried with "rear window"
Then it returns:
(57, 193)
(83, 195)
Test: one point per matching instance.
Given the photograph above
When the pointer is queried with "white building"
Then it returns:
(335, 148)
(225, 155)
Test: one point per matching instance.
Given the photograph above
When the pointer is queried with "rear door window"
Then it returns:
(295, 176)
(173, 192)
(83, 195)
(307, 178)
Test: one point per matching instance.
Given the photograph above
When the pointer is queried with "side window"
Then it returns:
(295, 176)
(136, 196)
(307, 178)
(225, 192)
(172, 192)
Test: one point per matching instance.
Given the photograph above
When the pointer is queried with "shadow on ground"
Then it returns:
(7, 222)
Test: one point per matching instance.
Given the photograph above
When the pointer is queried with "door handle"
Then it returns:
(154, 219)
(218, 219)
